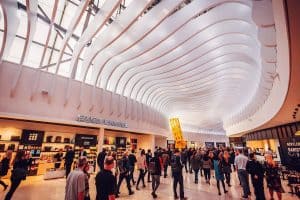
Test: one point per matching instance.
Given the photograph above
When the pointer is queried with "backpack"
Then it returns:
(174, 165)
(152, 166)
(121, 166)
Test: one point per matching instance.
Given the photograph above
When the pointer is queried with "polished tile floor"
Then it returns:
(35, 188)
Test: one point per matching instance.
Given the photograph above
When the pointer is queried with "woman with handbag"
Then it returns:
(19, 172)
(226, 167)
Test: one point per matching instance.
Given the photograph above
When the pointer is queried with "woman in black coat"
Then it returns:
(4, 167)
(19, 172)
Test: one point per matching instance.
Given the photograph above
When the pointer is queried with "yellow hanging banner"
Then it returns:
(177, 133)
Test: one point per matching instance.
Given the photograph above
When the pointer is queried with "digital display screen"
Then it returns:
(32, 137)
(85, 140)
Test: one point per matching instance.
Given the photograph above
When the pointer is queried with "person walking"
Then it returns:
(76, 182)
(273, 178)
(123, 167)
(87, 185)
(207, 165)
(195, 162)
(190, 152)
(219, 175)
(141, 164)
(240, 163)
(69, 158)
(19, 172)
(5, 167)
(184, 157)
(101, 158)
(226, 167)
(105, 181)
(256, 170)
(155, 167)
(232, 157)
(148, 157)
(176, 167)
(131, 162)
(165, 161)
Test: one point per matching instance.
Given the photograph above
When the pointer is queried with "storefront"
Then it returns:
(43, 140)
(282, 141)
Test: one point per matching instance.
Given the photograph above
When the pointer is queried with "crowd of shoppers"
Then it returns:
(112, 171)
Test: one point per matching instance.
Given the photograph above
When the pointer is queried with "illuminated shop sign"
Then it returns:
(95, 120)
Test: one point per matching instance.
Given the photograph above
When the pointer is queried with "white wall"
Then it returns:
(201, 138)
(38, 95)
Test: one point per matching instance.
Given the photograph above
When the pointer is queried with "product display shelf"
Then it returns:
(9, 141)
(91, 156)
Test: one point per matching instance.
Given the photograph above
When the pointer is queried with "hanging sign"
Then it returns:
(177, 133)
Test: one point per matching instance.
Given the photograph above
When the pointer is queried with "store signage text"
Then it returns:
(95, 120)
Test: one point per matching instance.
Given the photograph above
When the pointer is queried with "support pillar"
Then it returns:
(100, 144)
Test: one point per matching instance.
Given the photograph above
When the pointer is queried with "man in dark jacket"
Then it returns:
(256, 170)
(100, 159)
(148, 157)
(131, 162)
(176, 167)
(69, 160)
(155, 170)
(184, 157)
(195, 163)
(123, 167)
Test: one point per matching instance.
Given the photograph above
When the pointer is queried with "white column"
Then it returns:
(100, 144)
(152, 143)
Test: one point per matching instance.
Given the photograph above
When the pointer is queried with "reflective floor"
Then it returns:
(37, 188)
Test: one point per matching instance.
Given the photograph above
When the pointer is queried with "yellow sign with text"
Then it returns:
(177, 133)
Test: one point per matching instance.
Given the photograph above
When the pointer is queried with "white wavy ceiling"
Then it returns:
(211, 63)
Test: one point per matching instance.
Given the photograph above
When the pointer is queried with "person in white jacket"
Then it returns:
(141, 164)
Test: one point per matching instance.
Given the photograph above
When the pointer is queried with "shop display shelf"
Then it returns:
(57, 143)
(8, 141)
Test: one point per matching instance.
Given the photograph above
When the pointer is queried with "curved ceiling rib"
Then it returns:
(176, 23)
(73, 24)
(211, 64)
(136, 33)
(197, 31)
(191, 66)
(114, 31)
(99, 21)
(175, 53)
(31, 28)
(11, 23)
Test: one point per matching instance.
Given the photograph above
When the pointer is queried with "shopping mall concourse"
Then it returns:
(149, 99)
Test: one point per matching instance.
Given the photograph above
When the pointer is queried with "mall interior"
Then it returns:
(118, 74)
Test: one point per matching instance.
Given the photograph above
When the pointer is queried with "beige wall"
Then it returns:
(161, 141)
